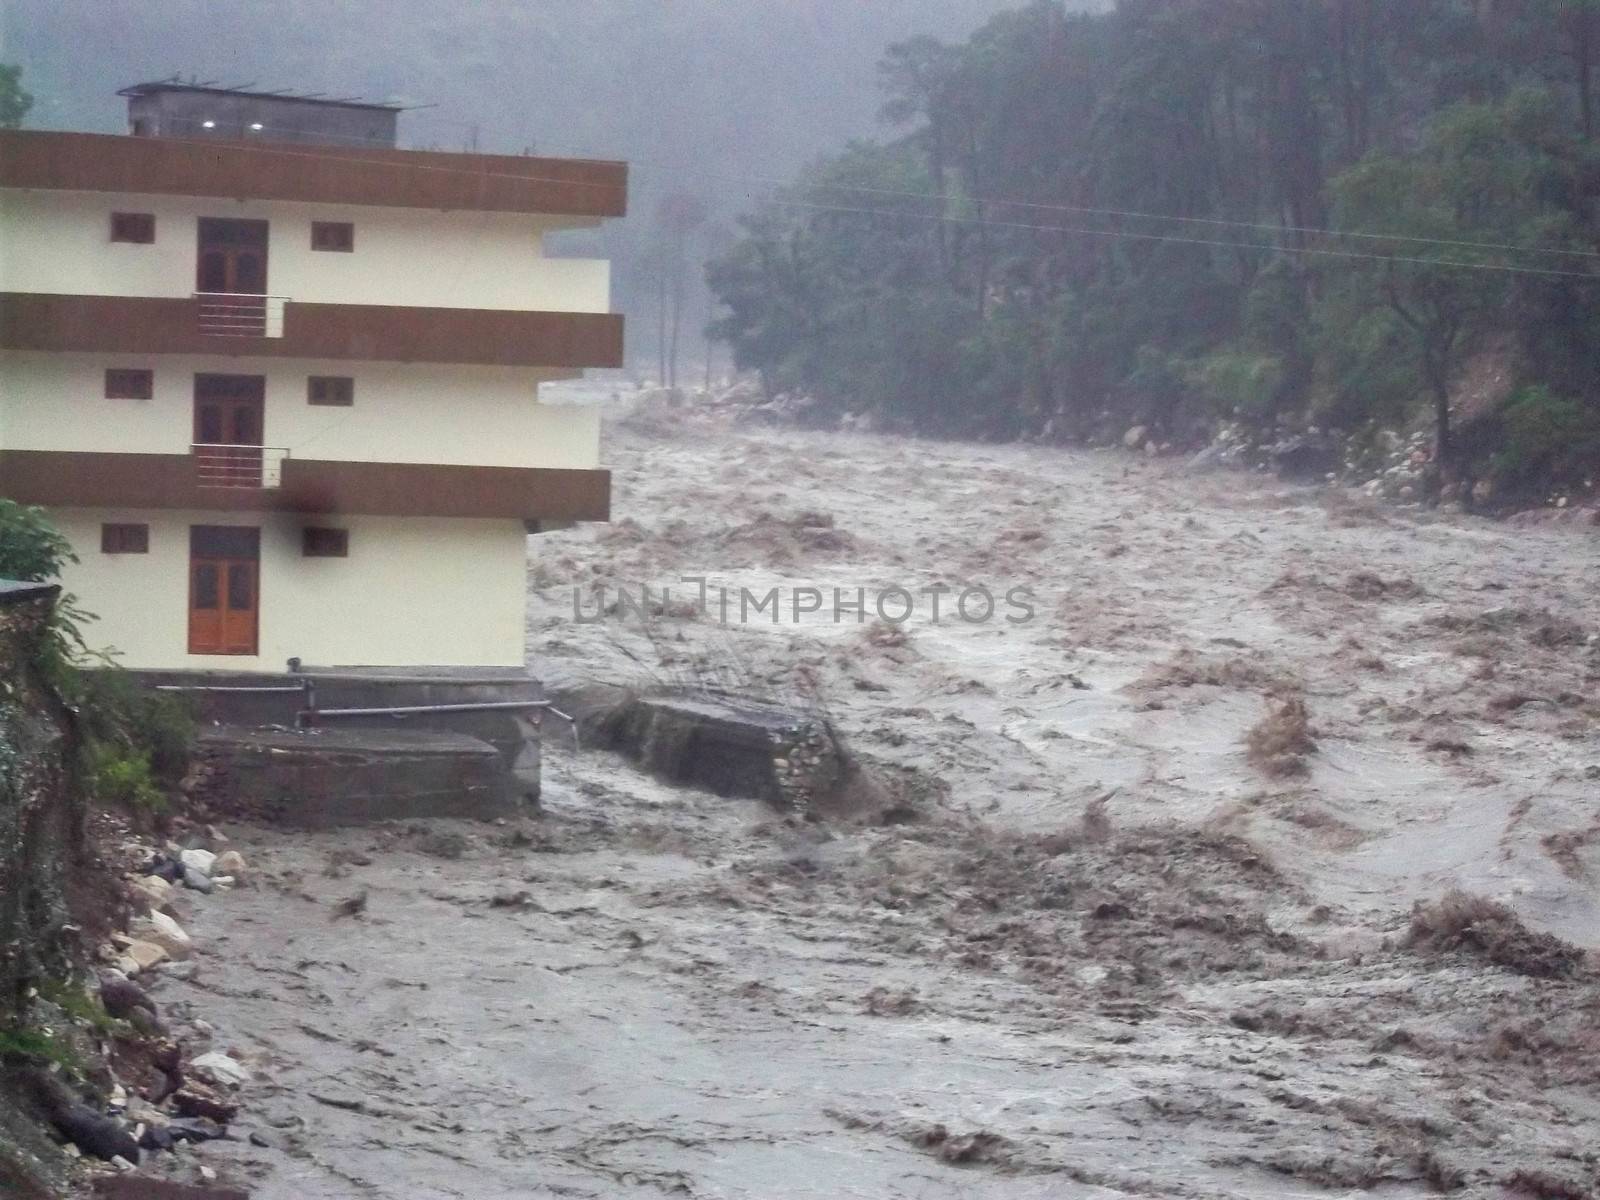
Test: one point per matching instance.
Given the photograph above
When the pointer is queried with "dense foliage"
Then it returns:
(1347, 214)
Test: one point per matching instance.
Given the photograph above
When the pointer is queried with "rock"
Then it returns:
(198, 881)
(229, 862)
(1135, 437)
(152, 890)
(198, 860)
(122, 997)
(1483, 491)
(1305, 457)
(141, 1187)
(141, 1112)
(197, 1129)
(90, 1131)
(195, 1099)
(161, 930)
(163, 867)
(145, 955)
(219, 1068)
(1212, 458)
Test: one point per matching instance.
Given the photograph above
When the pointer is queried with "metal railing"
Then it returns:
(248, 467)
(310, 716)
(240, 314)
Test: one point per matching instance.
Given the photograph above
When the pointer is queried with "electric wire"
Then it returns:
(1078, 210)
(1323, 252)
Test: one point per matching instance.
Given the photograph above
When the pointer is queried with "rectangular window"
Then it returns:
(333, 235)
(334, 391)
(126, 383)
(326, 543)
(139, 228)
(124, 539)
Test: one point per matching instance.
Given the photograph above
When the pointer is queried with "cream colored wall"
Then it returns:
(59, 242)
(412, 413)
(411, 593)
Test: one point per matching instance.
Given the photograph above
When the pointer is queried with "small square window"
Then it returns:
(325, 543)
(333, 235)
(334, 391)
(126, 383)
(125, 539)
(133, 227)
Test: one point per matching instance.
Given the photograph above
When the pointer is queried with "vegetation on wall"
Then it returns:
(1281, 213)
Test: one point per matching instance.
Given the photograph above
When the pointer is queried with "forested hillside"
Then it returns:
(1282, 214)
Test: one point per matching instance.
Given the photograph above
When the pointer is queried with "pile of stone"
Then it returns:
(157, 937)
(806, 765)
(1403, 467)
(171, 1096)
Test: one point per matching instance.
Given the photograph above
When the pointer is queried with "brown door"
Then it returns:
(224, 589)
(229, 414)
(233, 256)
(232, 267)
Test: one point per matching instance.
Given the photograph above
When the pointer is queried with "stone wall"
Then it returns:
(728, 745)
(42, 843)
(41, 816)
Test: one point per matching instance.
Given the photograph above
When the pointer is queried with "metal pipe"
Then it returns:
(418, 709)
(570, 720)
(186, 687)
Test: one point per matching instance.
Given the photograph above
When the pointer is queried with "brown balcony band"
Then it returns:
(97, 162)
(371, 332)
(77, 479)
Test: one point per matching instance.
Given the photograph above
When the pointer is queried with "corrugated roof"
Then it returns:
(175, 85)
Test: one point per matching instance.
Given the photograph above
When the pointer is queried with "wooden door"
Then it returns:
(232, 257)
(229, 416)
(230, 271)
(224, 589)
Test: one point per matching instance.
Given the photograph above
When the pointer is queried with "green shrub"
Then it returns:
(115, 711)
(30, 547)
(1546, 435)
(1239, 382)
(120, 776)
(33, 550)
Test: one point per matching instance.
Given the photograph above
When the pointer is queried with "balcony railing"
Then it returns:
(246, 467)
(240, 314)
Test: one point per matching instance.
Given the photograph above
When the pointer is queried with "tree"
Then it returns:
(14, 102)
(1475, 185)
(678, 217)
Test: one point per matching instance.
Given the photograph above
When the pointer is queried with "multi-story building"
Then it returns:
(278, 381)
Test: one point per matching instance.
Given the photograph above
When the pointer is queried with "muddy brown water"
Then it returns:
(655, 992)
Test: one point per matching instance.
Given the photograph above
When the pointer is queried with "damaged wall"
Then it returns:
(41, 816)
(43, 843)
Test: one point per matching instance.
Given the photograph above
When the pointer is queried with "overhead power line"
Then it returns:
(282, 151)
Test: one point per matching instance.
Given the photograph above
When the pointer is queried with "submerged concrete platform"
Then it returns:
(319, 778)
(326, 747)
(729, 745)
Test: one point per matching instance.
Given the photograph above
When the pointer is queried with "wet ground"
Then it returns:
(1132, 919)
